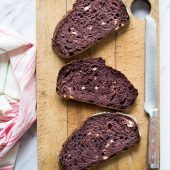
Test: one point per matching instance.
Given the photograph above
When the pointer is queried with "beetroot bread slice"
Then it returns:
(91, 81)
(87, 23)
(101, 137)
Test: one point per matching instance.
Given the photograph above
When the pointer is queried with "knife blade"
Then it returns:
(151, 92)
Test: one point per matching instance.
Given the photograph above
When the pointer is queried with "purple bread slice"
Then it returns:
(87, 23)
(91, 81)
(101, 137)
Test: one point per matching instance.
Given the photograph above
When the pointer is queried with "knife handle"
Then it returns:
(153, 143)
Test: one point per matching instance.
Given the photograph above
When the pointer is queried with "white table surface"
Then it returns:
(20, 15)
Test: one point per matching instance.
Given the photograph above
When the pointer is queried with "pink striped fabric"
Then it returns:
(15, 122)
(7, 168)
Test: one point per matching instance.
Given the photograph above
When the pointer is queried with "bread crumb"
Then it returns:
(87, 7)
(115, 21)
(96, 88)
(94, 68)
(113, 87)
(122, 24)
(108, 144)
(111, 141)
(70, 89)
(130, 123)
(90, 28)
(83, 87)
(73, 31)
(105, 157)
(89, 133)
(117, 28)
(71, 97)
(103, 23)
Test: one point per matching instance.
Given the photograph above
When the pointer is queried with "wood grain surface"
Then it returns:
(57, 118)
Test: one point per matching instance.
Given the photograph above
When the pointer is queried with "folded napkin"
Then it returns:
(17, 92)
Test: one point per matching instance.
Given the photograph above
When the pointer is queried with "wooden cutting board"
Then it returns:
(57, 118)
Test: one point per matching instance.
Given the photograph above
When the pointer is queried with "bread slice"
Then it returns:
(87, 23)
(101, 137)
(91, 81)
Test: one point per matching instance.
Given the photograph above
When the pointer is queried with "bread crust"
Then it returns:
(102, 63)
(57, 29)
(95, 115)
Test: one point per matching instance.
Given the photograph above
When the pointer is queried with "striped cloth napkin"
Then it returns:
(17, 92)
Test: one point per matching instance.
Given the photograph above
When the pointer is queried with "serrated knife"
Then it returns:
(151, 93)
